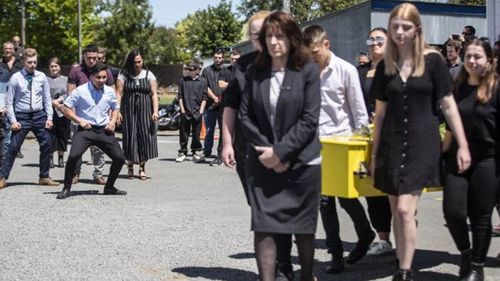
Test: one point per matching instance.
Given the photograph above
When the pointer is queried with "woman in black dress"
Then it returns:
(408, 86)
(279, 114)
(472, 194)
(136, 88)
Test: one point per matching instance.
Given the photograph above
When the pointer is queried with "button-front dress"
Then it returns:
(408, 155)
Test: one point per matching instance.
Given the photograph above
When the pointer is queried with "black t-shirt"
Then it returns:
(232, 94)
(479, 121)
(193, 92)
(211, 75)
(18, 65)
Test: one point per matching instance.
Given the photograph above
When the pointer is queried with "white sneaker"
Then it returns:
(198, 157)
(181, 157)
(379, 248)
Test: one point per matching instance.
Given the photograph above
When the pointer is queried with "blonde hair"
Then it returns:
(408, 12)
(260, 15)
(29, 53)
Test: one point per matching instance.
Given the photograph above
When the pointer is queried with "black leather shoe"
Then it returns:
(336, 265)
(114, 191)
(475, 274)
(216, 162)
(284, 272)
(65, 193)
(360, 250)
(403, 275)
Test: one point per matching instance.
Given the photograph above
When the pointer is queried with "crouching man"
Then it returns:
(93, 106)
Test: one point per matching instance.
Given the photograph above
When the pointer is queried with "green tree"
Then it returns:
(51, 26)
(302, 10)
(163, 47)
(216, 26)
(124, 25)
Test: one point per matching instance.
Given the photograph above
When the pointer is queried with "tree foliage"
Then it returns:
(163, 47)
(124, 25)
(216, 26)
(51, 26)
(303, 10)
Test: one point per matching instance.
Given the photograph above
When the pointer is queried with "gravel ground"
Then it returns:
(187, 222)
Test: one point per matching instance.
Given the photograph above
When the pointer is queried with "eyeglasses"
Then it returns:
(379, 40)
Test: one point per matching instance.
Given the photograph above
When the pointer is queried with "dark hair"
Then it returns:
(55, 60)
(298, 54)
(236, 51)
(98, 67)
(471, 29)
(128, 66)
(92, 48)
(488, 82)
(381, 29)
(314, 34)
(218, 51)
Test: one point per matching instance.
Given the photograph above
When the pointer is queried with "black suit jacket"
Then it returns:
(295, 136)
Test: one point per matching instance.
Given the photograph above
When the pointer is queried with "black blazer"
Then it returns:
(295, 135)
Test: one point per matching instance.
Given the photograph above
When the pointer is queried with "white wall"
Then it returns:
(493, 19)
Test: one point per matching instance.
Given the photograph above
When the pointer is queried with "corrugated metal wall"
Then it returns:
(437, 28)
(348, 29)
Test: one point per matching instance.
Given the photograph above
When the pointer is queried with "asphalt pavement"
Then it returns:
(188, 221)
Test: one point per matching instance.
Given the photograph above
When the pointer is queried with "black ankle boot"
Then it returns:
(465, 264)
(61, 162)
(403, 275)
(475, 274)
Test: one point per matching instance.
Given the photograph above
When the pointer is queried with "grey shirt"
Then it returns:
(58, 86)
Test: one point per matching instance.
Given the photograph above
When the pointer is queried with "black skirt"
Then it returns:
(284, 203)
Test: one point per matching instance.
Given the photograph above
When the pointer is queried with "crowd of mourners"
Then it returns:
(272, 105)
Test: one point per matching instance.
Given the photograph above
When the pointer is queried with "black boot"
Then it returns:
(403, 275)
(61, 162)
(475, 274)
(465, 264)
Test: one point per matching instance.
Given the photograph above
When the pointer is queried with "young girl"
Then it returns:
(408, 84)
(472, 194)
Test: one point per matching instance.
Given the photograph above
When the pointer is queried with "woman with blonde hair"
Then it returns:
(409, 84)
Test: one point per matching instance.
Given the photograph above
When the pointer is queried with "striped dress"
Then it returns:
(139, 130)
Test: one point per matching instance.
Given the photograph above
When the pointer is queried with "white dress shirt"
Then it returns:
(342, 104)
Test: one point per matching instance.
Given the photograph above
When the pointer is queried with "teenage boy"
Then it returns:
(342, 111)
(193, 95)
(29, 108)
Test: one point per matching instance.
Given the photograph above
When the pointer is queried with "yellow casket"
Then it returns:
(345, 165)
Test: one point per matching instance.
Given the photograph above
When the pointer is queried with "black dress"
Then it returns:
(408, 155)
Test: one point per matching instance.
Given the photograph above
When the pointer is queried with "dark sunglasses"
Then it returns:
(379, 40)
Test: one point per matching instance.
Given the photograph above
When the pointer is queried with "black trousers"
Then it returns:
(473, 195)
(104, 140)
(186, 127)
(355, 210)
(379, 210)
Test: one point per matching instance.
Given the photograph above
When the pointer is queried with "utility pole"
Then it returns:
(79, 19)
(286, 6)
(23, 22)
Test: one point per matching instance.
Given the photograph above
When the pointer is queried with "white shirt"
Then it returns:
(342, 104)
(141, 75)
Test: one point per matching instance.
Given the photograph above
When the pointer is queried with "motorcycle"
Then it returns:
(169, 116)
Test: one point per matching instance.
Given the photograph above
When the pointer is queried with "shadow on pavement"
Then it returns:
(217, 273)
(16, 183)
(78, 192)
(243, 256)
